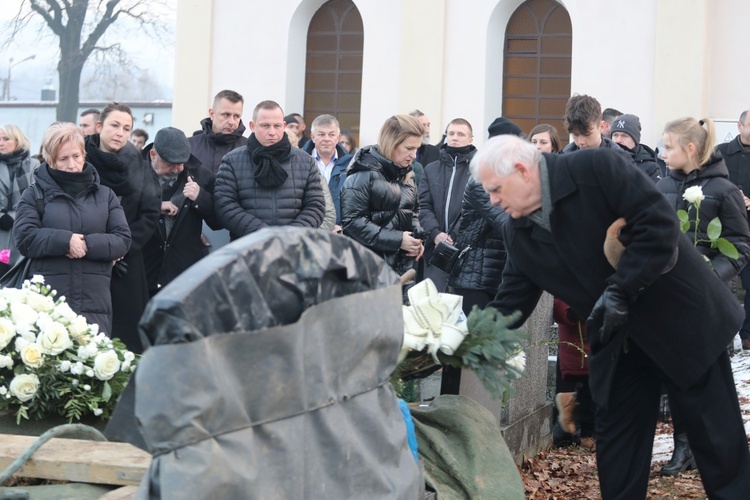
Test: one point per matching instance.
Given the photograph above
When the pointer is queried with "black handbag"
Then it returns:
(17, 274)
(448, 258)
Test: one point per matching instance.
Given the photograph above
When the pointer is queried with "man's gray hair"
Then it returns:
(500, 153)
(324, 120)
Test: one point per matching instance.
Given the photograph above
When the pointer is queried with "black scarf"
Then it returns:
(15, 161)
(464, 150)
(268, 159)
(113, 172)
(73, 182)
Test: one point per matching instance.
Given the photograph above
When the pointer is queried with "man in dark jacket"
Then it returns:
(186, 189)
(220, 133)
(662, 316)
(441, 190)
(625, 130)
(330, 156)
(268, 183)
(427, 153)
(736, 155)
(583, 120)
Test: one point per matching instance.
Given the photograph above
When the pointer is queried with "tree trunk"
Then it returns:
(70, 80)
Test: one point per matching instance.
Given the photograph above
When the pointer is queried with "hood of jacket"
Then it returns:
(370, 159)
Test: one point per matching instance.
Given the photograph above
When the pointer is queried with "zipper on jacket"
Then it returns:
(450, 191)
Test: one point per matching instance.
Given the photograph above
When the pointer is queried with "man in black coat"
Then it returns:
(662, 316)
(736, 155)
(186, 189)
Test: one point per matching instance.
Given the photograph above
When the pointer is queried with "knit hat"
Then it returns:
(290, 119)
(503, 126)
(629, 124)
(172, 146)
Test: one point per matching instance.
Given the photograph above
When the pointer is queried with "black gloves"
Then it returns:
(609, 315)
(6, 222)
(120, 269)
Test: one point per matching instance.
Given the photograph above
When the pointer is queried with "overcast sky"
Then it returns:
(29, 77)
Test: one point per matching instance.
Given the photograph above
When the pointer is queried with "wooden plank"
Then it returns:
(77, 460)
(124, 493)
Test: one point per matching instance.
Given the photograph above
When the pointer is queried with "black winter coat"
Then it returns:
(45, 238)
(737, 159)
(645, 159)
(441, 191)
(682, 315)
(242, 206)
(141, 204)
(210, 147)
(165, 257)
(480, 228)
(379, 203)
(723, 200)
(607, 143)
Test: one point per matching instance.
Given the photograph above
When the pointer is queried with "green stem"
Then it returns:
(697, 221)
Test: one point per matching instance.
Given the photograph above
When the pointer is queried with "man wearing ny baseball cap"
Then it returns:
(626, 131)
(186, 189)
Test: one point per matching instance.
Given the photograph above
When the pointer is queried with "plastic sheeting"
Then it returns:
(295, 401)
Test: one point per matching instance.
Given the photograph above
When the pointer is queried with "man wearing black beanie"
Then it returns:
(626, 131)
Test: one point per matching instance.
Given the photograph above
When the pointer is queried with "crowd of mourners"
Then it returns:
(117, 218)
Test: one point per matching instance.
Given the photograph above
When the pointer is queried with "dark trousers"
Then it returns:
(711, 414)
(745, 277)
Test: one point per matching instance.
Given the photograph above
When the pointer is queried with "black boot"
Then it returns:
(682, 457)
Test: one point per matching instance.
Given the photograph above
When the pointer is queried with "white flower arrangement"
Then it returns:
(52, 362)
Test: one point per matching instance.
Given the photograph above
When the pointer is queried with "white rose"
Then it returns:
(37, 278)
(77, 369)
(78, 327)
(3, 304)
(86, 387)
(24, 386)
(39, 302)
(6, 362)
(54, 339)
(65, 366)
(22, 314)
(7, 332)
(94, 328)
(693, 194)
(32, 355)
(89, 372)
(3, 391)
(106, 365)
(64, 311)
(128, 356)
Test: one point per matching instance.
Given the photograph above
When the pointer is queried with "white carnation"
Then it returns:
(65, 366)
(89, 372)
(6, 362)
(3, 390)
(125, 366)
(91, 349)
(106, 365)
(128, 356)
(21, 343)
(86, 387)
(24, 386)
(77, 369)
(518, 361)
(94, 328)
(37, 278)
(98, 411)
(78, 327)
(64, 311)
(7, 332)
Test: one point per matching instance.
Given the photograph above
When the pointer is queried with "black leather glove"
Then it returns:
(6, 222)
(609, 314)
(120, 269)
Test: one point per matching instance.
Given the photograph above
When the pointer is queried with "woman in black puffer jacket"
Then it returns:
(688, 153)
(379, 196)
(480, 272)
(690, 161)
(122, 169)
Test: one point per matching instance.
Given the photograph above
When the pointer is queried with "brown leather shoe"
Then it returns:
(588, 443)
(567, 408)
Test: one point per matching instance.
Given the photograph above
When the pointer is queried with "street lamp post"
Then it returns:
(6, 89)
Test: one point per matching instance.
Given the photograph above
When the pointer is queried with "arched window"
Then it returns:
(536, 72)
(333, 78)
